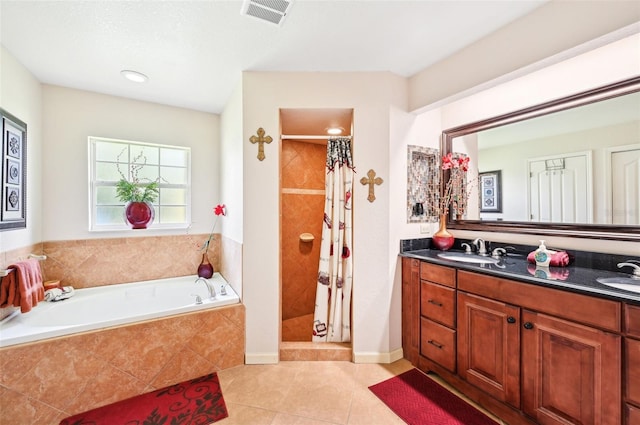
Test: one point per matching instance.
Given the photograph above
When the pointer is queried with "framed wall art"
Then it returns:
(13, 199)
(490, 192)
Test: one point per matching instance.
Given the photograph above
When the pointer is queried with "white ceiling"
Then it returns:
(194, 51)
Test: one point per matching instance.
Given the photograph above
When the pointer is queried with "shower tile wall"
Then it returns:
(302, 197)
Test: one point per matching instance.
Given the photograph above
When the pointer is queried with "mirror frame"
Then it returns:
(593, 231)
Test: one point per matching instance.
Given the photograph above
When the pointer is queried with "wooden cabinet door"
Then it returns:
(489, 346)
(411, 309)
(571, 373)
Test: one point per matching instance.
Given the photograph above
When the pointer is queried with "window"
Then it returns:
(110, 160)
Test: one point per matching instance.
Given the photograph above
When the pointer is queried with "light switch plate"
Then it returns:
(425, 228)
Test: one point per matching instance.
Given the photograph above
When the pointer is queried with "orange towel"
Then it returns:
(7, 290)
(23, 287)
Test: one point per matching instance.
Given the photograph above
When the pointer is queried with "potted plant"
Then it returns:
(137, 195)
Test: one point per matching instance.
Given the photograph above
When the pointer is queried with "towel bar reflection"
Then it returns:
(4, 272)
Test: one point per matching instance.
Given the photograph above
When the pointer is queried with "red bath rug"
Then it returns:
(419, 400)
(195, 402)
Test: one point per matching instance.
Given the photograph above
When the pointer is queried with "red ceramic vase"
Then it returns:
(139, 214)
(443, 239)
(205, 269)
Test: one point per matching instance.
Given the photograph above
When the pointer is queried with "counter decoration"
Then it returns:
(137, 193)
(555, 258)
(205, 269)
(455, 195)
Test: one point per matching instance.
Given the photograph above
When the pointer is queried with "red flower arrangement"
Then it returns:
(218, 211)
(455, 193)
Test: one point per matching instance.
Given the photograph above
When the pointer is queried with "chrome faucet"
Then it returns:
(629, 263)
(482, 248)
(498, 252)
(209, 285)
(501, 251)
(467, 248)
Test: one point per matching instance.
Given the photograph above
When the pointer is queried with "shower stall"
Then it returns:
(302, 199)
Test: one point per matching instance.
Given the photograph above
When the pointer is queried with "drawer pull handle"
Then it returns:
(434, 302)
(432, 342)
(528, 325)
(511, 319)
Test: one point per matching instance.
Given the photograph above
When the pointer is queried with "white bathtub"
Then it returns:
(112, 305)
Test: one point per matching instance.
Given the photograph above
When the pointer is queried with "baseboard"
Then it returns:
(261, 358)
(391, 357)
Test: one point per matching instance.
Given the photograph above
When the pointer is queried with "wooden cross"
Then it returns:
(261, 140)
(371, 181)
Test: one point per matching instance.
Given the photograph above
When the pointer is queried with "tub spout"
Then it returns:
(209, 285)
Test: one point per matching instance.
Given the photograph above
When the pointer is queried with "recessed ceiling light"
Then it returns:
(134, 76)
(335, 130)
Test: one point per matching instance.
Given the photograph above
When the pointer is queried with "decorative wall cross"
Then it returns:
(372, 180)
(261, 140)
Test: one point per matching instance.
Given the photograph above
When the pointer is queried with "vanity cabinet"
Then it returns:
(631, 377)
(438, 314)
(489, 346)
(529, 353)
(570, 372)
(411, 309)
(567, 347)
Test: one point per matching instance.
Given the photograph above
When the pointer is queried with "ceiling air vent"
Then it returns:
(273, 11)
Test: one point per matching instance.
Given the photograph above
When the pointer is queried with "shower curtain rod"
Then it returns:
(310, 137)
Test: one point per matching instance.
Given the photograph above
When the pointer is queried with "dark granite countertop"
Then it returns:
(580, 276)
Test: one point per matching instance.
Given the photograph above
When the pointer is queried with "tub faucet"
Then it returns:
(209, 285)
(482, 249)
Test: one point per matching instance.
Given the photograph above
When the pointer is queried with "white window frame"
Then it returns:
(94, 184)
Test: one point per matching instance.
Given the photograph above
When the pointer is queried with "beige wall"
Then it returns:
(70, 116)
(543, 37)
(20, 95)
(372, 96)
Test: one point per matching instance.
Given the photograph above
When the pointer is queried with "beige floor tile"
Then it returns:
(367, 409)
(308, 393)
(247, 415)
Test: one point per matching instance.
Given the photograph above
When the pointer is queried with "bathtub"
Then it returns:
(113, 305)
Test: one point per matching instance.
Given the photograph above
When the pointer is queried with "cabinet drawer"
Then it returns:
(632, 366)
(632, 320)
(438, 303)
(438, 343)
(438, 274)
(632, 415)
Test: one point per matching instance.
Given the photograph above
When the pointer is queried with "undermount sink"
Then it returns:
(626, 283)
(467, 258)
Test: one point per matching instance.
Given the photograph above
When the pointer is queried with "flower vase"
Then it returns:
(205, 269)
(443, 239)
(139, 215)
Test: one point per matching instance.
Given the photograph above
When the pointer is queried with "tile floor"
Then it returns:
(308, 393)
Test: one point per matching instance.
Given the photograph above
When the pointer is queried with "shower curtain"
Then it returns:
(332, 316)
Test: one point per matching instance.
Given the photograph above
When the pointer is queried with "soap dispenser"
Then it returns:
(542, 255)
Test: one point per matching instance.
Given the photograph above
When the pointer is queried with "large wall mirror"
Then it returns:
(570, 167)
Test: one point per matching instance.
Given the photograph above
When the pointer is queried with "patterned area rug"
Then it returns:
(419, 400)
(195, 402)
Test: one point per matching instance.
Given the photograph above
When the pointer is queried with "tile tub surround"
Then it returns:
(43, 382)
(97, 262)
